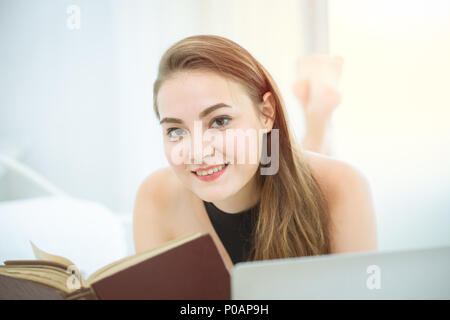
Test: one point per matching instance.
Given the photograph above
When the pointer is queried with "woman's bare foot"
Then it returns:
(317, 89)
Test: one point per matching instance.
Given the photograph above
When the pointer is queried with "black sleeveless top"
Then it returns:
(234, 229)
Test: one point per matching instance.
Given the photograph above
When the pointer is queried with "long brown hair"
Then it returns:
(293, 217)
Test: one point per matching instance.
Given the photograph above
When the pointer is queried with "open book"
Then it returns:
(185, 268)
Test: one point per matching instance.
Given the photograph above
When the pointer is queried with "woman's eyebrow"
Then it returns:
(202, 114)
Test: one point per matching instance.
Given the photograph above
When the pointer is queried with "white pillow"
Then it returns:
(85, 232)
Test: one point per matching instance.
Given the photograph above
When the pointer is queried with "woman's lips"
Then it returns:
(213, 176)
(209, 167)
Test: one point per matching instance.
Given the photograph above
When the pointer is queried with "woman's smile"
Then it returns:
(210, 173)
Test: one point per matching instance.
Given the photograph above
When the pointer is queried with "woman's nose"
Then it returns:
(200, 147)
(194, 149)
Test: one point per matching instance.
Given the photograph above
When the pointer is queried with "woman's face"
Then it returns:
(208, 120)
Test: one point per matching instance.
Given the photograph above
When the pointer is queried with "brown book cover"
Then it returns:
(187, 268)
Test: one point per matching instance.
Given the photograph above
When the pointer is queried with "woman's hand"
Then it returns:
(317, 89)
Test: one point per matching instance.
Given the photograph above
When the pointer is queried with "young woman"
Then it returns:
(311, 205)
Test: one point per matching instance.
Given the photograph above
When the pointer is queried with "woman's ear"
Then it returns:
(267, 108)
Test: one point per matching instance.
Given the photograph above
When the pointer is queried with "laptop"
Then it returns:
(406, 274)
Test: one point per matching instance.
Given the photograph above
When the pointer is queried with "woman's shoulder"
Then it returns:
(154, 209)
(336, 177)
(161, 188)
(350, 202)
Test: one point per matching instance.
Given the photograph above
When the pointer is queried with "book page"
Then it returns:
(42, 255)
(44, 274)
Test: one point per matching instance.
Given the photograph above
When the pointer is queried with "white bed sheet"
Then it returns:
(85, 232)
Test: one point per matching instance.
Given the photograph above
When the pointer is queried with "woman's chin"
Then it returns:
(213, 193)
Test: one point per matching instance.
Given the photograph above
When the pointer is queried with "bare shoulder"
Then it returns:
(334, 175)
(350, 201)
(159, 188)
(153, 208)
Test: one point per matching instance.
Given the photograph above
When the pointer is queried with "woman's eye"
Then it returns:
(174, 133)
(221, 121)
